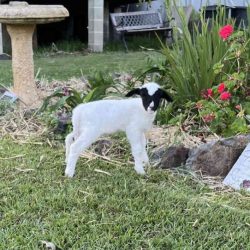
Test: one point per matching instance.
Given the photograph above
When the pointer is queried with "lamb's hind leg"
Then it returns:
(68, 141)
(76, 148)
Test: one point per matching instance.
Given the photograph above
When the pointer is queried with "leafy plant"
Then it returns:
(59, 105)
(188, 65)
(67, 98)
(190, 61)
(226, 107)
(208, 69)
(210, 76)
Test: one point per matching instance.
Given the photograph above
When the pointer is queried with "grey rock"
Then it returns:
(174, 156)
(156, 155)
(218, 157)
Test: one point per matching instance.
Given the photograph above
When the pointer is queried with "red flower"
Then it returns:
(221, 87)
(225, 96)
(207, 93)
(226, 31)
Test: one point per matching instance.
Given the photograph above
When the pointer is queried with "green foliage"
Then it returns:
(225, 107)
(188, 65)
(230, 116)
(67, 98)
(164, 114)
(5, 107)
(199, 61)
(190, 61)
(58, 106)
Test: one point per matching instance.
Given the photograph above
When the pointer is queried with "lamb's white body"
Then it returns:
(94, 119)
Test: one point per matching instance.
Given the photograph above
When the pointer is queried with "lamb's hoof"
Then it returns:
(140, 171)
(69, 174)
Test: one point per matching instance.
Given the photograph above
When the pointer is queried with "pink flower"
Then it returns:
(207, 93)
(225, 96)
(226, 31)
(238, 107)
(199, 105)
(221, 87)
(208, 118)
(66, 91)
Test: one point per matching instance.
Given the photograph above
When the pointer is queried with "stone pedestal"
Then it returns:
(22, 62)
(21, 19)
(95, 25)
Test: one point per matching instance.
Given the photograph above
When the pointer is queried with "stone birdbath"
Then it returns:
(21, 19)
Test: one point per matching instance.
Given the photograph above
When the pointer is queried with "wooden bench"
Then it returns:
(139, 21)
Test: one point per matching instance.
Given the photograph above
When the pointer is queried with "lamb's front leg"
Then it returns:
(138, 150)
(144, 152)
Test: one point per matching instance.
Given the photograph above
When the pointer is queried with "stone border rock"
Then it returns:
(215, 158)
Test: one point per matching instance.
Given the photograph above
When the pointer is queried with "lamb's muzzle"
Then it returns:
(133, 116)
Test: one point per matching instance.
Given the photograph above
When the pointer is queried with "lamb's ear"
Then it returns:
(166, 96)
(133, 92)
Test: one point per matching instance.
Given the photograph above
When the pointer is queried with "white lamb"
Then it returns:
(134, 116)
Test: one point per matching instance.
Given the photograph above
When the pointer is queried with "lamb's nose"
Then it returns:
(150, 106)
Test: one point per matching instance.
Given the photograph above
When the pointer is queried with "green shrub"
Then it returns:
(197, 67)
(58, 106)
(66, 98)
(225, 108)
(189, 63)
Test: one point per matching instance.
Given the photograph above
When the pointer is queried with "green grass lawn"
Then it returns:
(67, 66)
(122, 211)
(165, 210)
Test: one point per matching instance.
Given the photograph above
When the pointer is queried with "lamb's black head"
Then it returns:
(151, 95)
